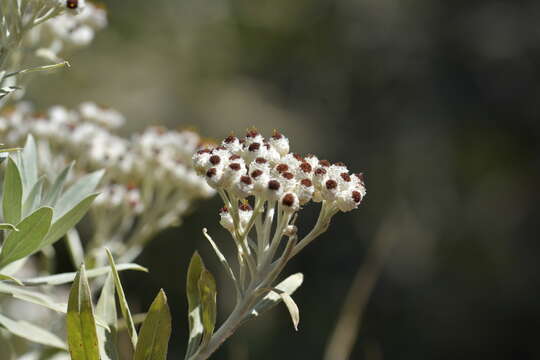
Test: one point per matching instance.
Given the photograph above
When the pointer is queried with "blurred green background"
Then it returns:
(436, 101)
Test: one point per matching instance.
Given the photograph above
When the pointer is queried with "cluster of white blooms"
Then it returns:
(150, 182)
(263, 186)
(255, 166)
(68, 30)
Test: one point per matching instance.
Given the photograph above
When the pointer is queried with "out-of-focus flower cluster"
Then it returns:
(69, 30)
(149, 183)
(45, 29)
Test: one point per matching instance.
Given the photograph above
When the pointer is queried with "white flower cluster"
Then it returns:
(263, 186)
(255, 166)
(149, 183)
(69, 30)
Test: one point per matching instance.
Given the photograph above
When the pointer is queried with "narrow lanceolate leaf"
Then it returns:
(13, 193)
(106, 309)
(208, 292)
(32, 332)
(33, 198)
(11, 278)
(195, 269)
(155, 331)
(223, 261)
(289, 286)
(8, 227)
(56, 189)
(27, 240)
(65, 278)
(33, 297)
(291, 306)
(61, 225)
(124, 307)
(77, 193)
(29, 163)
(80, 321)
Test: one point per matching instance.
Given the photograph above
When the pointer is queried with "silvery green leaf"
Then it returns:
(32, 297)
(56, 189)
(32, 332)
(289, 286)
(11, 278)
(124, 307)
(291, 306)
(77, 192)
(155, 331)
(196, 330)
(208, 293)
(74, 245)
(65, 278)
(106, 309)
(29, 164)
(27, 240)
(33, 199)
(13, 193)
(80, 321)
(223, 261)
(8, 227)
(62, 224)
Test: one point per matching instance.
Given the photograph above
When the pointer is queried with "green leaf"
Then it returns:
(32, 332)
(77, 192)
(106, 309)
(61, 225)
(65, 278)
(33, 199)
(29, 163)
(27, 240)
(56, 189)
(208, 292)
(80, 321)
(8, 227)
(155, 331)
(32, 297)
(11, 278)
(196, 330)
(124, 307)
(289, 286)
(13, 193)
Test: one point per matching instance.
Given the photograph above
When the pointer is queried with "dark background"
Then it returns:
(436, 101)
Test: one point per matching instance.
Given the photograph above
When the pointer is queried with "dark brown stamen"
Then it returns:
(281, 168)
(235, 166)
(211, 172)
(320, 171)
(254, 147)
(234, 157)
(256, 173)
(274, 185)
(287, 175)
(260, 160)
(345, 177)
(306, 183)
(215, 159)
(305, 167)
(324, 163)
(288, 200)
(246, 180)
(356, 196)
(331, 184)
